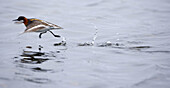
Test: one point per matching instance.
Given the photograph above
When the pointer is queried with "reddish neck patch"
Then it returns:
(25, 21)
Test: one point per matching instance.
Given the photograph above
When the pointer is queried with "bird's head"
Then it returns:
(21, 19)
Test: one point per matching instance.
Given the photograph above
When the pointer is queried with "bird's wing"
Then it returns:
(36, 26)
(33, 23)
(40, 25)
(51, 25)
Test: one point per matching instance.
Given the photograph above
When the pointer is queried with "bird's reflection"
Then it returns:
(30, 64)
(33, 57)
(37, 56)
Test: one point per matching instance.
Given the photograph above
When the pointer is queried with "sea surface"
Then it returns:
(108, 44)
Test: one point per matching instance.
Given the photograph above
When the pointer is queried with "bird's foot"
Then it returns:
(57, 36)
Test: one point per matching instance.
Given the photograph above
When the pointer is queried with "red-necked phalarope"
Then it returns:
(37, 25)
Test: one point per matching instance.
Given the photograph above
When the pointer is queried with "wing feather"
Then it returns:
(41, 26)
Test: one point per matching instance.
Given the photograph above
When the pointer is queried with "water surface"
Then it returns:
(109, 44)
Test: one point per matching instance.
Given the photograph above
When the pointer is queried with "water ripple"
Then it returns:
(38, 80)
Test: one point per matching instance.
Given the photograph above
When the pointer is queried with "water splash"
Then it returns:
(62, 43)
(109, 44)
(95, 35)
(93, 40)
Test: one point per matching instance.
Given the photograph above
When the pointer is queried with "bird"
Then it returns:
(37, 25)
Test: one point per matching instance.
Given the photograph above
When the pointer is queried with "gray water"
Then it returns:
(131, 49)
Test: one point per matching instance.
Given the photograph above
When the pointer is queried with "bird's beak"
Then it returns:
(15, 20)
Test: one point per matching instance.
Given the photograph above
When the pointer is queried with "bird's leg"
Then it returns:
(41, 34)
(54, 34)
